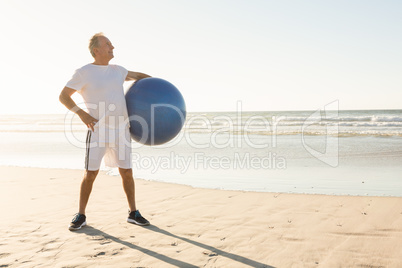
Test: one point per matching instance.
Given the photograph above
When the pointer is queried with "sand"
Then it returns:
(190, 227)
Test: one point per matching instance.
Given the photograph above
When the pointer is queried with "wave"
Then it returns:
(271, 125)
(387, 119)
(347, 123)
(298, 131)
(342, 132)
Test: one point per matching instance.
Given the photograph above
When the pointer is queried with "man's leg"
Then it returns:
(123, 158)
(129, 187)
(86, 188)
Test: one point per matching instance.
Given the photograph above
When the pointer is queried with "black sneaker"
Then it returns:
(136, 218)
(78, 221)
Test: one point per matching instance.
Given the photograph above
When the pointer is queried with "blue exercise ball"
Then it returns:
(156, 111)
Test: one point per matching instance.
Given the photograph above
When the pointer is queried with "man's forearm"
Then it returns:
(86, 118)
(135, 76)
(70, 104)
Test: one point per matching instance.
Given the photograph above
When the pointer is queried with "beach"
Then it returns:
(251, 189)
(190, 227)
(356, 153)
(276, 132)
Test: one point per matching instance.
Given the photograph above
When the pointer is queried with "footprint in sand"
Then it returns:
(3, 255)
(100, 254)
(210, 253)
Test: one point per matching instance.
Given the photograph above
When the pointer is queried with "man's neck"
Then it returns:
(101, 62)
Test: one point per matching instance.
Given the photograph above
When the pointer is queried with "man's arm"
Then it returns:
(135, 76)
(65, 98)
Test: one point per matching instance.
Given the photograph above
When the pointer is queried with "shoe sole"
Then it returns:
(136, 222)
(71, 228)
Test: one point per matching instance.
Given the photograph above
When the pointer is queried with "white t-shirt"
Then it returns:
(101, 87)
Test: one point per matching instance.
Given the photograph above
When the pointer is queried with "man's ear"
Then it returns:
(95, 50)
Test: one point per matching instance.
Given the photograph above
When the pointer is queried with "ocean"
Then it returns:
(313, 152)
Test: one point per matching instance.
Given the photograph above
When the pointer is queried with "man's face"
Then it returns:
(105, 49)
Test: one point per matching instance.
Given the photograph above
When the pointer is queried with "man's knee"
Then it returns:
(90, 175)
(126, 173)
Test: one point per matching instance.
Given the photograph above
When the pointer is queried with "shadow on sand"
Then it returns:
(88, 230)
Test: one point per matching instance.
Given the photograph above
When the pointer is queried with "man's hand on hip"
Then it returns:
(88, 120)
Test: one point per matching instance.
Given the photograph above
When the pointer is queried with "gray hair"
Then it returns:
(94, 42)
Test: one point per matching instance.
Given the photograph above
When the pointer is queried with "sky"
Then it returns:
(266, 55)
